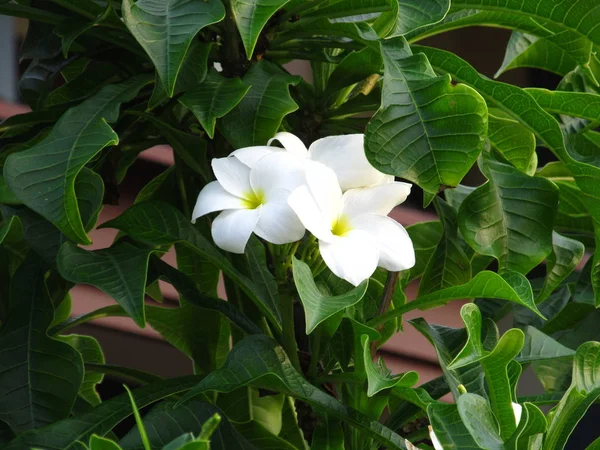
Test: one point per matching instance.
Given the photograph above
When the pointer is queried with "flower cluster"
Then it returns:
(329, 189)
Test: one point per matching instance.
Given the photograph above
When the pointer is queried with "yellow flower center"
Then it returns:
(253, 199)
(341, 226)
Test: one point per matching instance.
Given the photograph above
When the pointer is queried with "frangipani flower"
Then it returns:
(344, 154)
(517, 411)
(252, 200)
(355, 235)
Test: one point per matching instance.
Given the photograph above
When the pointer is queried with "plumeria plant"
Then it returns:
(282, 189)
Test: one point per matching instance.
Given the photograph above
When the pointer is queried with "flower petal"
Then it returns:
(277, 171)
(278, 222)
(396, 251)
(306, 208)
(345, 155)
(323, 185)
(212, 198)
(518, 411)
(251, 155)
(233, 175)
(231, 229)
(352, 257)
(291, 143)
(377, 199)
(434, 440)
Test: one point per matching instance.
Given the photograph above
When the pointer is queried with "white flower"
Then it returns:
(343, 154)
(355, 235)
(517, 411)
(252, 200)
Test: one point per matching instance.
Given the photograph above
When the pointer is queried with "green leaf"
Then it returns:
(427, 130)
(100, 443)
(319, 307)
(328, 435)
(91, 352)
(346, 8)
(515, 143)
(39, 376)
(378, 378)
(584, 390)
(578, 16)
(259, 361)
(138, 420)
(11, 230)
(407, 16)
(425, 237)
(166, 29)
(479, 421)
(473, 349)
(495, 366)
(449, 427)
(251, 17)
(119, 271)
(200, 334)
(448, 265)
(532, 422)
(510, 217)
(355, 67)
(257, 117)
(539, 345)
(527, 50)
(584, 105)
(566, 255)
(68, 434)
(157, 223)
(213, 99)
(187, 288)
(43, 176)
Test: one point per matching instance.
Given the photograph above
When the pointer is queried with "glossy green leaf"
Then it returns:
(257, 117)
(425, 237)
(584, 105)
(39, 376)
(259, 361)
(68, 434)
(319, 307)
(479, 421)
(526, 50)
(584, 390)
(566, 255)
(202, 335)
(157, 223)
(473, 349)
(510, 217)
(533, 422)
(165, 422)
(355, 67)
(120, 271)
(43, 176)
(347, 9)
(165, 30)
(100, 443)
(407, 16)
(449, 427)
(495, 365)
(539, 345)
(213, 99)
(378, 376)
(427, 130)
(91, 352)
(251, 17)
(515, 143)
(448, 265)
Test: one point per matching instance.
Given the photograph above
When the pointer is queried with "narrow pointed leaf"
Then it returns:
(213, 99)
(473, 349)
(165, 30)
(427, 130)
(43, 176)
(319, 307)
(539, 345)
(120, 271)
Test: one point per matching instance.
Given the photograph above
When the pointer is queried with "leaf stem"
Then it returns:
(107, 311)
(181, 185)
(288, 336)
(124, 373)
(315, 354)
